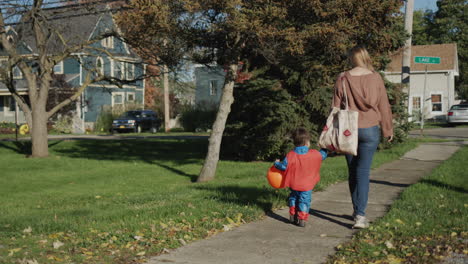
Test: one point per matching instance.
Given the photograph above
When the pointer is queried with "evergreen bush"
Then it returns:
(265, 112)
(104, 121)
(401, 125)
(198, 118)
(262, 117)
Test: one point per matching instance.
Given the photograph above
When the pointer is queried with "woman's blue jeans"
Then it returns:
(359, 167)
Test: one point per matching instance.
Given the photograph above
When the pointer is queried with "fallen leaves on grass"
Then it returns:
(118, 245)
(57, 244)
(422, 249)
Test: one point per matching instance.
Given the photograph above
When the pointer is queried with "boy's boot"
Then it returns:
(292, 214)
(303, 217)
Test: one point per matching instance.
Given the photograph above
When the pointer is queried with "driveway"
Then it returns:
(443, 133)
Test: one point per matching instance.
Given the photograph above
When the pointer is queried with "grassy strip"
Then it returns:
(120, 201)
(430, 125)
(144, 134)
(426, 224)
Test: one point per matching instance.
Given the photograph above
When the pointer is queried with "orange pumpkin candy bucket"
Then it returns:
(275, 178)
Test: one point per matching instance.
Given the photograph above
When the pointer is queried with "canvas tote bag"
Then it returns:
(340, 134)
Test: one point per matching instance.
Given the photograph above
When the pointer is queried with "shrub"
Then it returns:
(401, 125)
(7, 128)
(108, 114)
(198, 118)
(64, 124)
(177, 129)
(104, 121)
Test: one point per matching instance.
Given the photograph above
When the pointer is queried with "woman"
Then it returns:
(367, 95)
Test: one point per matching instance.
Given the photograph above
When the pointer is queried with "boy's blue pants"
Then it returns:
(300, 200)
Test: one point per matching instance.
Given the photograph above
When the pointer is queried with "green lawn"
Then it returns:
(427, 223)
(121, 201)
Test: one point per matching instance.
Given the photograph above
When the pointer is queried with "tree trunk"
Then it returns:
(40, 144)
(212, 157)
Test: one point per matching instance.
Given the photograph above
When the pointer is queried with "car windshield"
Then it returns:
(459, 107)
(132, 114)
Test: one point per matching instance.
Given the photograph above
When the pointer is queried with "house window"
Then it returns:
(131, 97)
(436, 100)
(118, 69)
(99, 66)
(58, 68)
(7, 104)
(10, 103)
(108, 42)
(416, 103)
(213, 86)
(17, 73)
(117, 98)
(130, 71)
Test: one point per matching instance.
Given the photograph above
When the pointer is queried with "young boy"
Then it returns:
(301, 168)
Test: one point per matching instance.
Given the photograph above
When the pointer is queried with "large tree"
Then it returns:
(302, 43)
(301, 93)
(446, 25)
(32, 21)
(450, 24)
(221, 31)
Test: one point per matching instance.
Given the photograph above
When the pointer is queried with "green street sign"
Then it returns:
(427, 60)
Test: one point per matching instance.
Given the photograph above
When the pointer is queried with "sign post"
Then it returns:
(426, 61)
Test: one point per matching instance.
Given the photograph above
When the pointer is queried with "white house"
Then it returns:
(434, 93)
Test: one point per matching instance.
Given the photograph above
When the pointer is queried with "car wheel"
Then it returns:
(114, 131)
(153, 130)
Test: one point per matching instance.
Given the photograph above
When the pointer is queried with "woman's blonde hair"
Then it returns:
(359, 57)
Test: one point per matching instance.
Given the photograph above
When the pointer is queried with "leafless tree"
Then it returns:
(33, 19)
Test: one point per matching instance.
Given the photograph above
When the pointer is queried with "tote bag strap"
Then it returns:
(344, 92)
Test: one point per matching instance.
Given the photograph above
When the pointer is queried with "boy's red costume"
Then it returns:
(303, 171)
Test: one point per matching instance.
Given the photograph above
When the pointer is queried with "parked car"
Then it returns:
(137, 121)
(457, 114)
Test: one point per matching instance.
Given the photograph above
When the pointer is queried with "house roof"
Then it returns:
(21, 85)
(76, 24)
(446, 52)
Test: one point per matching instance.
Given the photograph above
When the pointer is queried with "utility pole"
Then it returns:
(166, 98)
(166, 94)
(406, 56)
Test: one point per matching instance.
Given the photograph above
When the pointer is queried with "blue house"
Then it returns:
(106, 55)
(209, 82)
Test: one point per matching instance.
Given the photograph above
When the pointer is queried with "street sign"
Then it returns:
(427, 60)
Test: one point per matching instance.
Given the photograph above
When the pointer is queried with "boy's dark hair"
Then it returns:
(300, 137)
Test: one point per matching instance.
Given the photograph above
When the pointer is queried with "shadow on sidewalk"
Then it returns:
(390, 183)
(277, 217)
(325, 216)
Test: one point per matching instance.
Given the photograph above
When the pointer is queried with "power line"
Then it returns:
(58, 12)
(58, 4)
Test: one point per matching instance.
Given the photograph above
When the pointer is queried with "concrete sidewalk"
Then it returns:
(274, 240)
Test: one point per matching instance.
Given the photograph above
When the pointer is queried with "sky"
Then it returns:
(425, 4)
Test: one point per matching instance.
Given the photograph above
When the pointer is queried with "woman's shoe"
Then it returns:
(360, 222)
